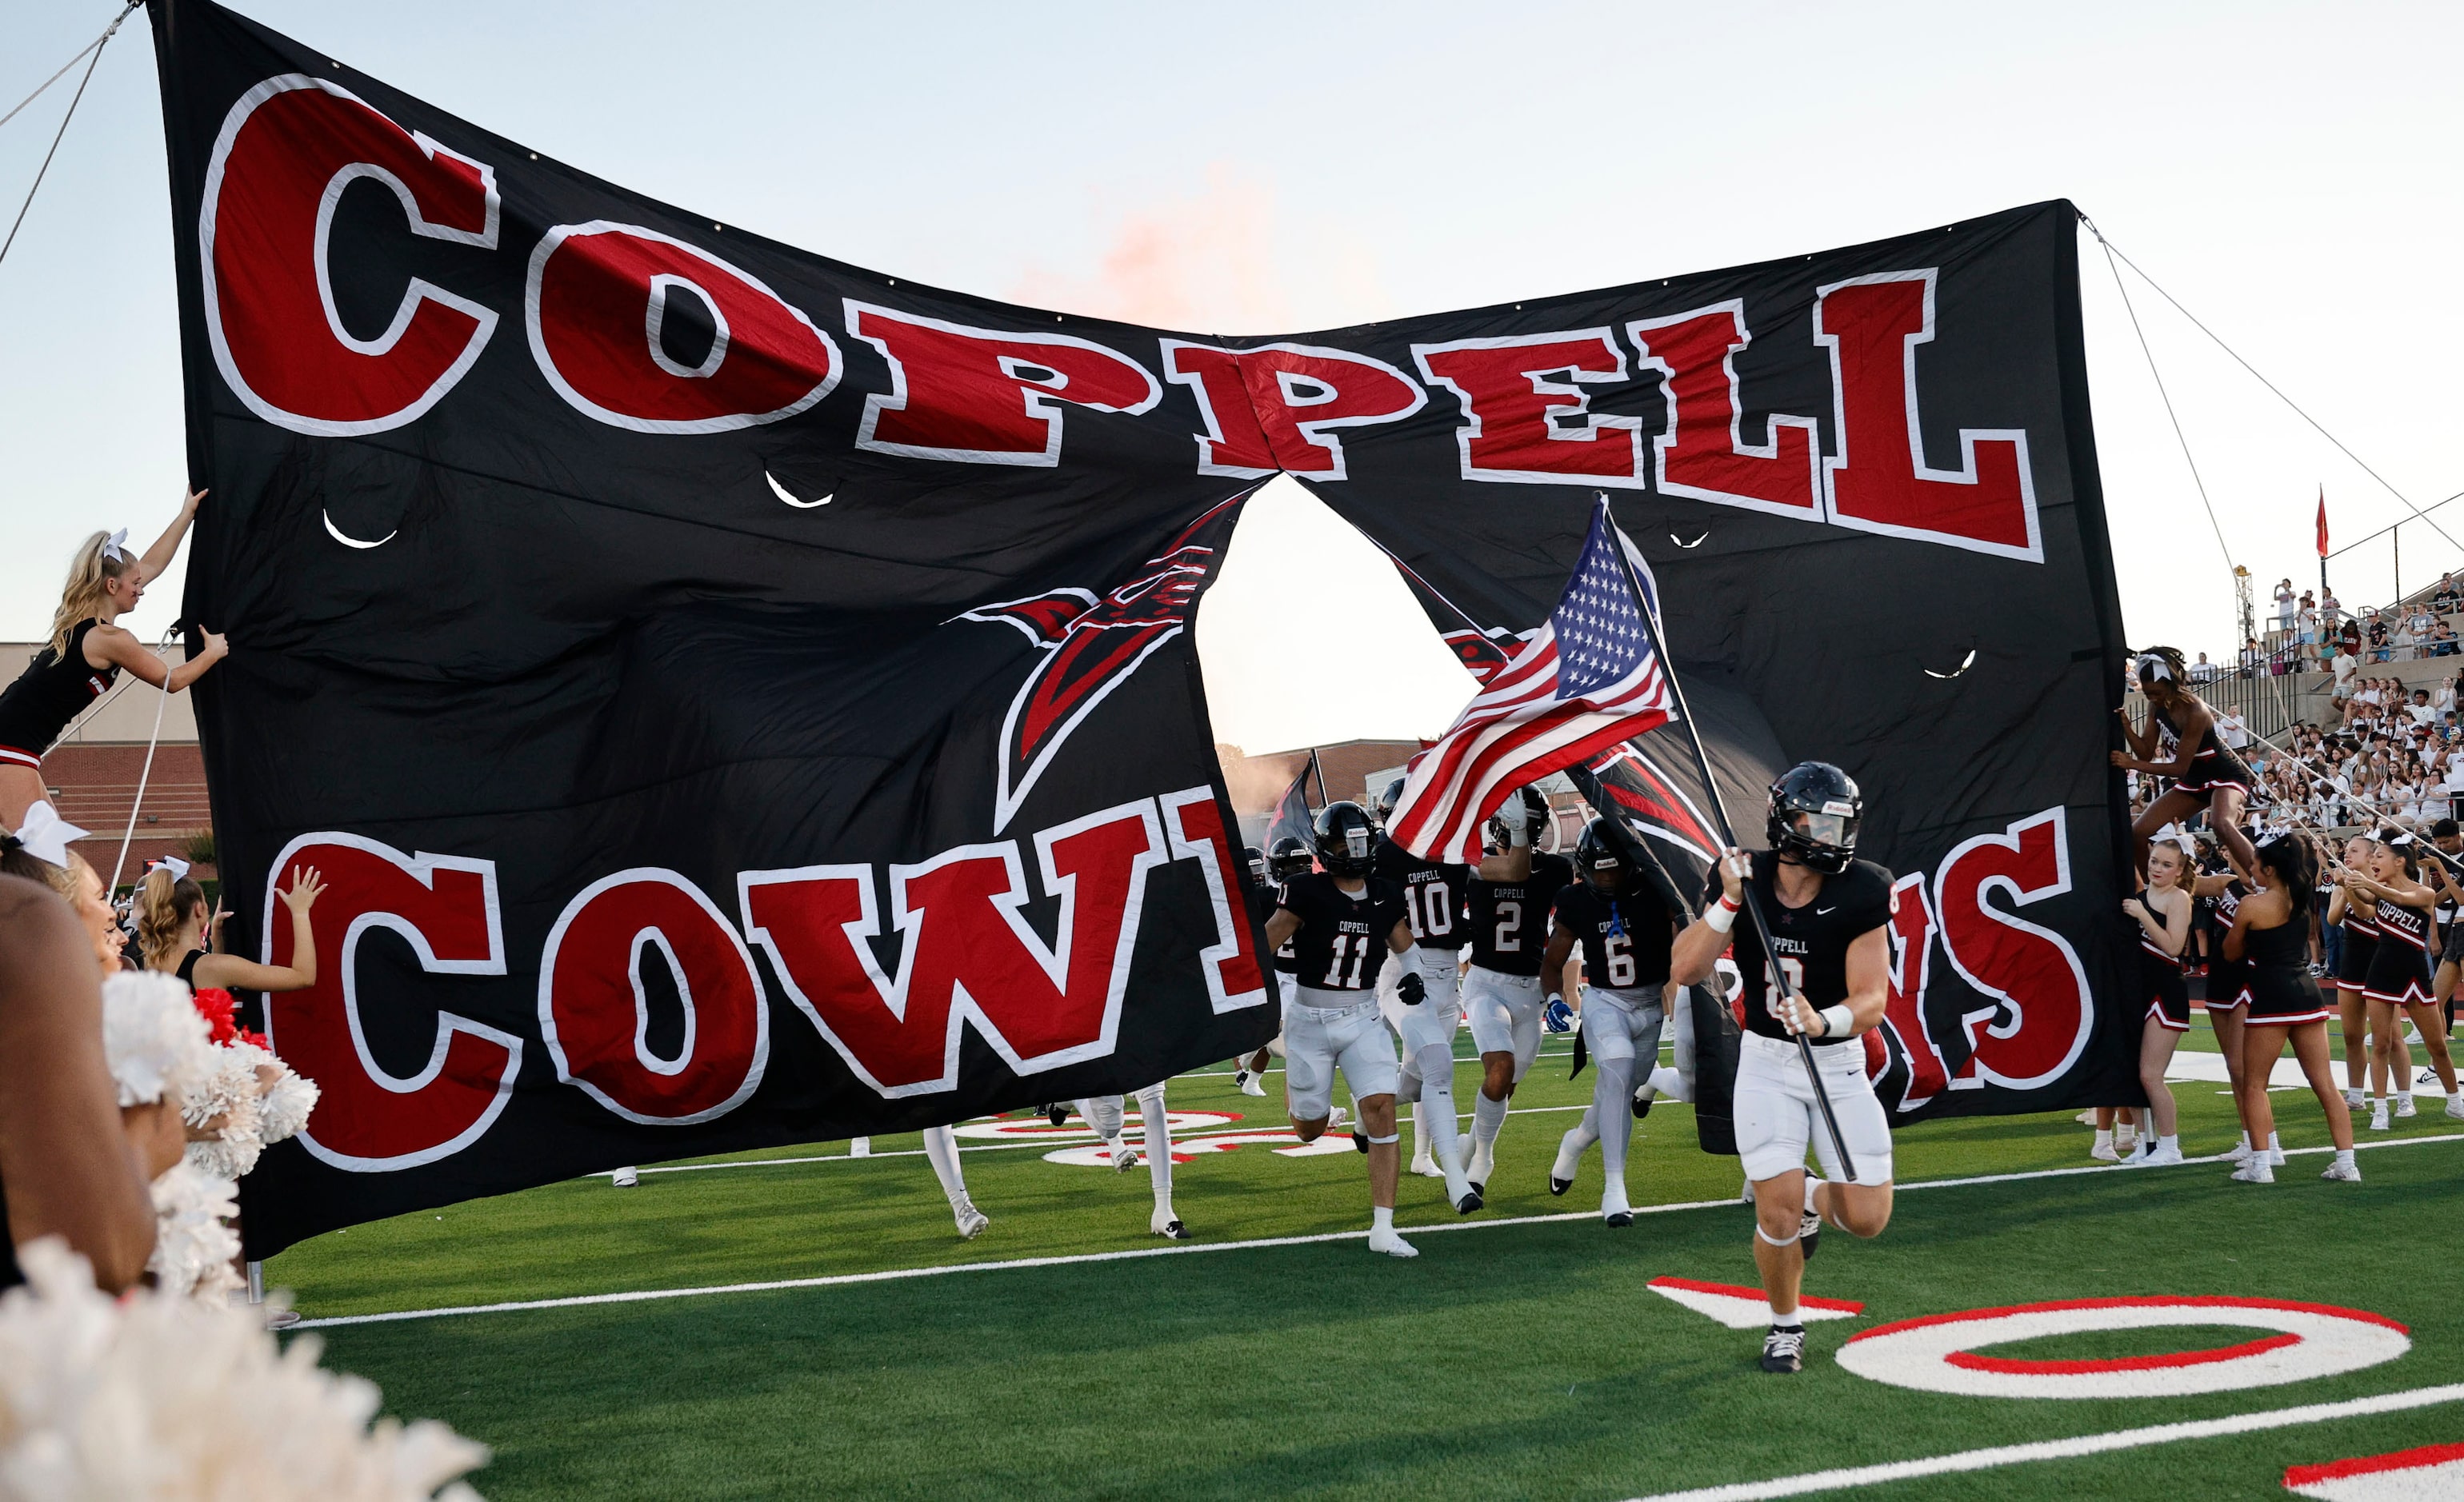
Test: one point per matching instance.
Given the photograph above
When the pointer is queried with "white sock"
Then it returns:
(1420, 1131)
(1793, 1320)
(2344, 1156)
(2245, 1140)
(1488, 1119)
(2404, 1098)
(2173, 1142)
(2104, 1139)
(1812, 1184)
(1382, 1217)
(1611, 1114)
(1158, 1129)
(941, 1148)
(1667, 1082)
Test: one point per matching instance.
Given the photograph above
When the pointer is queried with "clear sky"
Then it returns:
(2289, 171)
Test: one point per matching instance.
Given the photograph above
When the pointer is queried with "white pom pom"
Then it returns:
(286, 1106)
(160, 1396)
(193, 1247)
(152, 1036)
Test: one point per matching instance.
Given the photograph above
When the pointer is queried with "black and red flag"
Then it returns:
(737, 697)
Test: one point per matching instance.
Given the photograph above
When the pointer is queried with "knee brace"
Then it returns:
(1789, 1240)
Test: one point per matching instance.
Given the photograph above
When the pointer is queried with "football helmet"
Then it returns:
(1382, 808)
(1347, 839)
(1254, 861)
(1599, 857)
(1291, 858)
(1814, 810)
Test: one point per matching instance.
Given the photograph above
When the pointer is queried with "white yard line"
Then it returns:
(2064, 1450)
(1193, 1249)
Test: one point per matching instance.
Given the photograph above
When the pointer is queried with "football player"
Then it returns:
(1623, 927)
(1503, 992)
(1105, 1114)
(1336, 919)
(1829, 913)
(941, 1148)
(1291, 859)
(1433, 903)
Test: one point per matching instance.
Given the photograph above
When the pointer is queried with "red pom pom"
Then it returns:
(216, 1006)
(259, 1040)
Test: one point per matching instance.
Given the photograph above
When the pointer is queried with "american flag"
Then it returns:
(1586, 681)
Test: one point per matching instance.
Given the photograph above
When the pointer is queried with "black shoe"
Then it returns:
(1784, 1349)
(1642, 1105)
(1359, 1143)
(1469, 1202)
(1618, 1221)
(1057, 1115)
(1809, 1235)
(1175, 1229)
(1477, 1187)
(1557, 1185)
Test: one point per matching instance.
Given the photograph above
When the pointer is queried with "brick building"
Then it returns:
(93, 773)
(1354, 769)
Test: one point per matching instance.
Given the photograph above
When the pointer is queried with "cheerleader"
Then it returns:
(2399, 979)
(173, 926)
(2355, 917)
(2208, 775)
(39, 852)
(2163, 913)
(2284, 1004)
(2227, 987)
(85, 656)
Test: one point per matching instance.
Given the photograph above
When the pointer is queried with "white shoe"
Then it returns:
(1392, 1244)
(1336, 1118)
(2254, 1171)
(2404, 1106)
(971, 1220)
(1164, 1223)
(2343, 1173)
(2455, 1106)
(2164, 1156)
(1124, 1158)
(1426, 1165)
(1251, 1084)
(625, 1178)
(1483, 1162)
(2238, 1152)
(2353, 1097)
(2104, 1152)
(2378, 1118)
(2137, 1156)
(2086, 1117)
(1746, 1195)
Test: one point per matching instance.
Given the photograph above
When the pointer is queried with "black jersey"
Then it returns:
(1509, 920)
(1625, 938)
(1265, 897)
(55, 689)
(1433, 893)
(1341, 942)
(1812, 940)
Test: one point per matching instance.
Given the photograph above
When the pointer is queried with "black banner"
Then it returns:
(736, 697)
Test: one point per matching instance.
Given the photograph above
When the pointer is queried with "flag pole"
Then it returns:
(1778, 973)
(1321, 777)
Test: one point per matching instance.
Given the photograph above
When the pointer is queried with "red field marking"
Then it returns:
(2120, 1364)
(2181, 1301)
(1734, 1291)
(2392, 1469)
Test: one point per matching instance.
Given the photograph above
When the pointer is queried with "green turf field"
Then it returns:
(1516, 1357)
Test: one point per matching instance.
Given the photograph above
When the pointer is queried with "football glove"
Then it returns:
(1557, 1017)
(1411, 988)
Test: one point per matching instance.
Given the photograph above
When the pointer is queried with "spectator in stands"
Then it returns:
(2442, 698)
(2441, 638)
(2449, 598)
(2374, 637)
(2346, 668)
(2203, 671)
(2253, 657)
(2284, 604)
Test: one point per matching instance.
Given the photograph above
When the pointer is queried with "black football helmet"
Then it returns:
(1525, 805)
(1254, 861)
(1347, 839)
(1291, 858)
(1814, 810)
(1598, 856)
(1382, 808)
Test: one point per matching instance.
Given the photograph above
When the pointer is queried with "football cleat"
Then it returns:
(1617, 1220)
(1124, 1158)
(1057, 1115)
(971, 1220)
(1809, 1234)
(1483, 1162)
(1391, 1244)
(625, 1178)
(1427, 1168)
(1335, 1117)
(1166, 1225)
(1470, 1202)
(1643, 1096)
(2343, 1173)
(1784, 1349)
(1361, 1141)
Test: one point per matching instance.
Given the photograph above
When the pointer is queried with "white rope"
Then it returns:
(107, 33)
(66, 66)
(144, 775)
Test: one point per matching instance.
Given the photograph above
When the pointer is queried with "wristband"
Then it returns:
(1837, 1022)
(1722, 915)
(1518, 836)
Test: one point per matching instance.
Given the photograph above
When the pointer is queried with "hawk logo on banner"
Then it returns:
(1090, 644)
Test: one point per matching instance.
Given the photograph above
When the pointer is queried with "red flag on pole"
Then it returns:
(2323, 521)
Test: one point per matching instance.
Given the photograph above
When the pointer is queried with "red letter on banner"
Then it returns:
(1302, 394)
(1703, 452)
(596, 1021)
(1233, 444)
(1904, 1013)
(1880, 482)
(1234, 978)
(1512, 429)
(983, 397)
(2041, 1013)
(598, 300)
(969, 953)
(368, 1119)
(287, 150)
